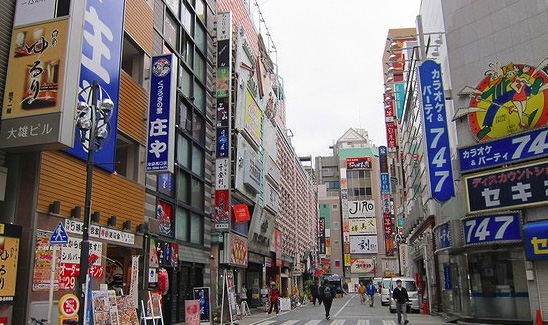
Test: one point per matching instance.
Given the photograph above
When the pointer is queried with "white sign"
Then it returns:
(222, 176)
(75, 227)
(361, 209)
(366, 226)
(363, 244)
(30, 12)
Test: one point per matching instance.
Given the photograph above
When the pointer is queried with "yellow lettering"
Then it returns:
(540, 245)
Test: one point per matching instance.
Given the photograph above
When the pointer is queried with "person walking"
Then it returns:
(327, 292)
(371, 290)
(401, 298)
(274, 297)
(315, 293)
(361, 291)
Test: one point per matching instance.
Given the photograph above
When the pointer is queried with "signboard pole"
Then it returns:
(51, 281)
(223, 296)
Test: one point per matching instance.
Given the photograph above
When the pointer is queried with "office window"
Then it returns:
(199, 67)
(198, 160)
(133, 60)
(185, 81)
(171, 31)
(185, 122)
(199, 97)
(197, 194)
(174, 6)
(196, 229)
(187, 50)
(183, 186)
(127, 155)
(198, 128)
(182, 221)
(188, 20)
(200, 38)
(183, 151)
(200, 9)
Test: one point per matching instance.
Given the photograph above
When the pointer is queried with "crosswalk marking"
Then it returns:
(364, 322)
(313, 322)
(290, 322)
(388, 322)
(338, 322)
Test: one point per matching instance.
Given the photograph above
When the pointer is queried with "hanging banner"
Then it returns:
(202, 295)
(435, 130)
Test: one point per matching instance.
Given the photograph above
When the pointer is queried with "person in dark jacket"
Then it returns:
(315, 292)
(327, 293)
(401, 298)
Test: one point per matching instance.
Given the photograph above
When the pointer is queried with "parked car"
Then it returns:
(412, 291)
(385, 291)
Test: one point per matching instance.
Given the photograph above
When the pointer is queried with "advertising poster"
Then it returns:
(237, 249)
(9, 255)
(253, 117)
(358, 163)
(192, 312)
(201, 294)
(222, 219)
(127, 310)
(42, 263)
(36, 69)
(362, 265)
(164, 213)
(101, 308)
(165, 184)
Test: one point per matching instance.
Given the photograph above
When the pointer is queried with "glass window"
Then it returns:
(174, 6)
(183, 151)
(188, 22)
(198, 128)
(199, 67)
(171, 32)
(182, 224)
(198, 161)
(183, 186)
(199, 97)
(184, 117)
(196, 229)
(200, 38)
(133, 60)
(185, 82)
(200, 9)
(127, 154)
(187, 50)
(197, 194)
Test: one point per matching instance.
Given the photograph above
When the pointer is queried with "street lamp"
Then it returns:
(92, 122)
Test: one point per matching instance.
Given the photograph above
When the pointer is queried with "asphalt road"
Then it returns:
(345, 311)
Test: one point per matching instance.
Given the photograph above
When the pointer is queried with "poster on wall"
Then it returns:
(362, 265)
(42, 263)
(10, 236)
(192, 312)
(164, 214)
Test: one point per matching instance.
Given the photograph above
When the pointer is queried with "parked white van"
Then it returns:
(385, 291)
(411, 286)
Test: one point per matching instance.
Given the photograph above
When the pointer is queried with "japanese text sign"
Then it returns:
(358, 163)
(536, 240)
(101, 62)
(385, 183)
(491, 228)
(435, 127)
(161, 123)
(528, 145)
(10, 236)
(443, 236)
(511, 187)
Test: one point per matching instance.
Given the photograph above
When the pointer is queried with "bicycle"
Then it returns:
(35, 321)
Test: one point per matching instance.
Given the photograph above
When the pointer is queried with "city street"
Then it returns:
(346, 310)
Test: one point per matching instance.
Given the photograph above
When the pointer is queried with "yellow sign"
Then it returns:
(347, 261)
(9, 254)
(36, 69)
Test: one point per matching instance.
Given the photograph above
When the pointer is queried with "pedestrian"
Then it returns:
(315, 293)
(243, 293)
(327, 292)
(345, 287)
(401, 298)
(371, 290)
(274, 298)
(361, 291)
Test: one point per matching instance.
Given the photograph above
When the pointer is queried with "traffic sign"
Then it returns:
(59, 235)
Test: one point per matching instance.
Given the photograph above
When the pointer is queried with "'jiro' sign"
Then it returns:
(435, 127)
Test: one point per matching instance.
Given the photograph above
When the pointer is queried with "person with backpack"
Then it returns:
(314, 291)
(371, 290)
(327, 292)
(274, 297)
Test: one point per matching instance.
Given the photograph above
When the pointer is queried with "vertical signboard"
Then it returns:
(321, 234)
(10, 236)
(391, 136)
(161, 123)
(223, 138)
(101, 62)
(435, 130)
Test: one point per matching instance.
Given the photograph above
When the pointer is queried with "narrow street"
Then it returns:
(346, 310)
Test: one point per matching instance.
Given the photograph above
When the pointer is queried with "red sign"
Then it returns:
(399, 61)
(221, 209)
(278, 246)
(358, 163)
(241, 213)
(387, 218)
(391, 135)
(68, 305)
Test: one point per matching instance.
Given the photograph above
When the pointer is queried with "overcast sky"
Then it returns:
(329, 54)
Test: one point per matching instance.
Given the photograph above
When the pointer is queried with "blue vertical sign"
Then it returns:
(161, 123)
(435, 127)
(101, 62)
(385, 183)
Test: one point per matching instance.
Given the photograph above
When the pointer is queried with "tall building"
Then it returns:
(478, 248)
(352, 242)
(98, 60)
